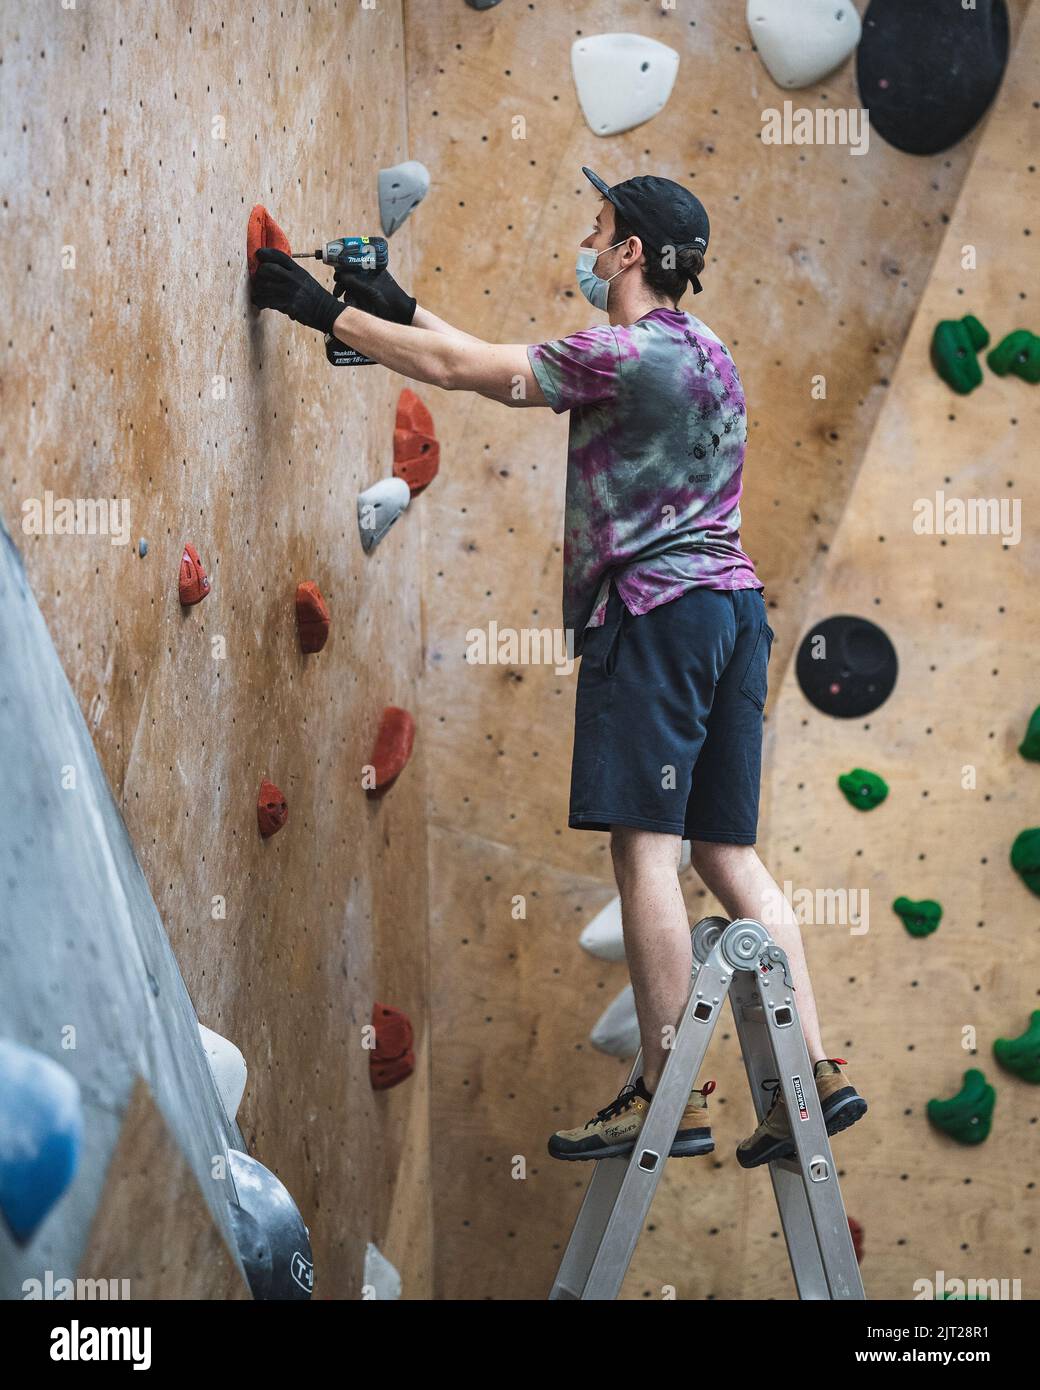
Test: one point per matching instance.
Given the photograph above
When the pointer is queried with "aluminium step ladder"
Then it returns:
(738, 959)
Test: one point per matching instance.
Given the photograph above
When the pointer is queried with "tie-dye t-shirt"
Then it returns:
(658, 431)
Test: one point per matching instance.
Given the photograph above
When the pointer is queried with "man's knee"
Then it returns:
(633, 850)
(709, 854)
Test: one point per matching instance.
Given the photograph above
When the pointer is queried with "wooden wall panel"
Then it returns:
(144, 373)
(913, 1015)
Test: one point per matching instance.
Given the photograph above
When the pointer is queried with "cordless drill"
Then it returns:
(366, 253)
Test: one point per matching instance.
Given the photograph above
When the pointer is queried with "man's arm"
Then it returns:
(424, 319)
(451, 360)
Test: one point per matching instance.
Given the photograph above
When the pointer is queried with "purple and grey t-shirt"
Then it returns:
(658, 431)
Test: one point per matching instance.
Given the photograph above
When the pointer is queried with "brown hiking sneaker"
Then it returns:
(613, 1130)
(841, 1104)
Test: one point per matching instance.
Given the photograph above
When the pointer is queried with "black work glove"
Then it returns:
(378, 294)
(280, 283)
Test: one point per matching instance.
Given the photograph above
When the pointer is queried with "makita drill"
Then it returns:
(371, 253)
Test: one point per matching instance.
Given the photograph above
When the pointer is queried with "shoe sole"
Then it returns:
(691, 1147)
(840, 1117)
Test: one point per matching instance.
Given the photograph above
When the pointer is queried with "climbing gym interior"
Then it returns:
(301, 964)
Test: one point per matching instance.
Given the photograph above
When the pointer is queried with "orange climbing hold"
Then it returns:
(272, 809)
(263, 230)
(417, 453)
(312, 617)
(393, 747)
(392, 1060)
(193, 585)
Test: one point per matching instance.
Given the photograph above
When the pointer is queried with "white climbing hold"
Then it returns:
(380, 1276)
(622, 80)
(378, 507)
(228, 1067)
(603, 936)
(617, 1029)
(401, 190)
(685, 855)
(801, 42)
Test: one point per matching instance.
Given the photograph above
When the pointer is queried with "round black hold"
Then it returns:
(276, 1218)
(846, 666)
(929, 69)
(253, 1251)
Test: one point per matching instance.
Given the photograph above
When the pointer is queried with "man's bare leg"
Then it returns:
(657, 935)
(745, 888)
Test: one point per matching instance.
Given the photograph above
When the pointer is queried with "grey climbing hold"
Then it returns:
(142, 547)
(622, 80)
(378, 508)
(229, 1070)
(603, 936)
(401, 190)
(799, 44)
(267, 1203)
(380, 1276)
(616, 1031)
(482, 4)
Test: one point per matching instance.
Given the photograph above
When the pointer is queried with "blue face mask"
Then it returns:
(593, 286)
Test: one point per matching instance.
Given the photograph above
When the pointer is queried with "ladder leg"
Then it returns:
(615, 1207)
(805, 1185)
(596, 1206)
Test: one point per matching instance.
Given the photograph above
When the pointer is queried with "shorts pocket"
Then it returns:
(599, 651)
(755, 682)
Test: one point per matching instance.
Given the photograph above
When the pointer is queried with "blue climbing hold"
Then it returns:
(41, 1131)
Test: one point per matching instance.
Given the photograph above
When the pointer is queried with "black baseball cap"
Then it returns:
(663, 213)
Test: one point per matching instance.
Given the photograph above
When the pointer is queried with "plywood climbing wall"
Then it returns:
(818, 262)
(134, 143)
(912, 1015)
(134, 369)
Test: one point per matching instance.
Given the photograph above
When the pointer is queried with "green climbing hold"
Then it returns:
(1025, 858)
(966, 1116)
(862, 789)
(955, 344)
(919, 918)
(1017, 354)
(1022, 1055)
(1030, 745)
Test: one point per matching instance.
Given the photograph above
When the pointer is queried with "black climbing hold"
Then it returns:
(929, 69)
(846, 666)
(266, 1201)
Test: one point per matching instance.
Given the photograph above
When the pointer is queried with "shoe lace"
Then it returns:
(772, 1083)
(621, 1102)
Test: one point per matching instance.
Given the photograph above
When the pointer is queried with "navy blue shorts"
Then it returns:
(668, 717)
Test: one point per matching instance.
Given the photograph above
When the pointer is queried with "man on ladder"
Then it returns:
(668, 614)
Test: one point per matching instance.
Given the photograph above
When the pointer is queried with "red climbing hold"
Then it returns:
(312, 617)
(856, 1231)
(393, 747)
(263, 230)
(417, 453)
(392, 1060)
(193, 586)
(272, 809)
